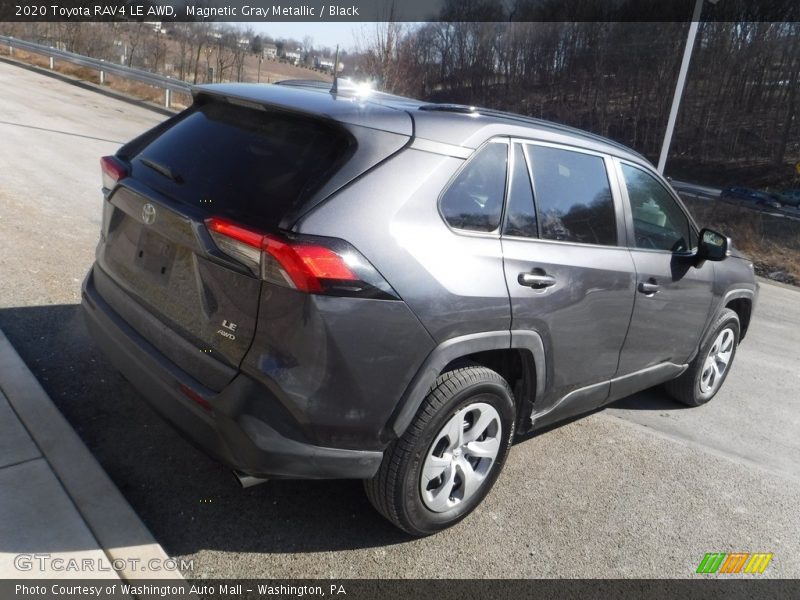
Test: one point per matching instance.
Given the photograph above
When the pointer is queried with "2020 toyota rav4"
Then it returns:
(330, 285)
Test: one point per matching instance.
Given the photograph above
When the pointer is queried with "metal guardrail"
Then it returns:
(700, 192)
(166, 83)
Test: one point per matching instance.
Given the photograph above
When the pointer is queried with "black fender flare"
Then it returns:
(455, 348)
(731, 294)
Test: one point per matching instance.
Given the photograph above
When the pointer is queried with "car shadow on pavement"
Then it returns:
(189, 501)
(651, 399)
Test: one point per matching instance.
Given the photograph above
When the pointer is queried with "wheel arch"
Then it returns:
(517, 355)
(743, 307)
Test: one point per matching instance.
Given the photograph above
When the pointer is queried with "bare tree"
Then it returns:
(739, 113)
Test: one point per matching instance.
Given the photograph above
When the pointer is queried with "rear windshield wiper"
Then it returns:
(162, 169)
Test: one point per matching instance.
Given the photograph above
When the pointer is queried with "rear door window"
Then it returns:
(573, 197)
(252, 166)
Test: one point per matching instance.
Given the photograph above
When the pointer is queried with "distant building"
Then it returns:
(293, 56)
(269, 51)
(326, 64)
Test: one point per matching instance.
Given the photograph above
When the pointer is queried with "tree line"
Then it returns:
(738, 121)
(612, 78)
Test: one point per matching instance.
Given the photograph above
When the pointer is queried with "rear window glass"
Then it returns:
(249, 165)
(474, 201)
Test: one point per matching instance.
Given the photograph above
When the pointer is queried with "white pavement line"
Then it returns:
(110, 518)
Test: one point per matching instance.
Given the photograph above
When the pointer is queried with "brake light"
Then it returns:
(236, 232)
(113, 170)
(242, 244)
(309, 264)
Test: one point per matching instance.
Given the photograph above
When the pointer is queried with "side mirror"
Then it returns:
(712, 246)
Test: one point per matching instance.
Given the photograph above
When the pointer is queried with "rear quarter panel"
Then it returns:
(453, 282)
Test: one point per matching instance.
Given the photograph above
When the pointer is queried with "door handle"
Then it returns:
(536, 281)
(649, 287)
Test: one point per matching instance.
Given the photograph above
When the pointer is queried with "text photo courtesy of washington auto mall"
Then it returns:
(382, 299)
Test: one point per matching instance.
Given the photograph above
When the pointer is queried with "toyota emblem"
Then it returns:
(148, 214)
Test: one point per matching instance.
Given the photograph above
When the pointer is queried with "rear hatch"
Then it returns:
(245, 164)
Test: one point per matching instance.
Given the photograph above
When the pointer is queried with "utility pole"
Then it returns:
(676, 99)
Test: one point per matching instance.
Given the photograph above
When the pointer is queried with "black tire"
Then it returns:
(688, 388)
(396, 490)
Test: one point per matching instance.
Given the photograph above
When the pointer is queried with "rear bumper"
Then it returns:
(227, 432)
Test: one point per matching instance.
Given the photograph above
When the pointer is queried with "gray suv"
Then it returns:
(318, 284)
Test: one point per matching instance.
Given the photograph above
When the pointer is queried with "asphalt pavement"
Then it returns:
(642, 489)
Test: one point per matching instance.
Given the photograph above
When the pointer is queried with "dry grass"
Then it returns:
(147, 92)
(274, 70)
(271, 71)
(772, 242)
(125, 86)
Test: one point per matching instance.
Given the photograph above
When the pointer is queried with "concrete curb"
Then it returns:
(112, 521)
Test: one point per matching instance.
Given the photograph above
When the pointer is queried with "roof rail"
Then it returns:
(509, 116)
(558, 127)
(456, 108)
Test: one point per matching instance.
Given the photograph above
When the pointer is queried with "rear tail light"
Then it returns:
(311, 264)
(113, 170)
(240, 243)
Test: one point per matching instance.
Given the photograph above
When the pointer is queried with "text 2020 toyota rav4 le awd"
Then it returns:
(324, 285)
